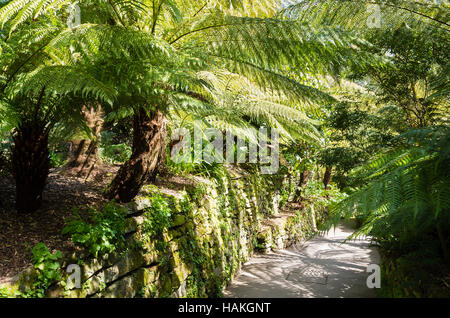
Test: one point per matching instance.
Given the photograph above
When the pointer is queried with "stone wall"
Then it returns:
(203, 248)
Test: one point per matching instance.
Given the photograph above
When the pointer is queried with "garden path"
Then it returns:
(322, 267)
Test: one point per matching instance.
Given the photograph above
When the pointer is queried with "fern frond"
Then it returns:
(59, 80)
(355, 14)
(409, 187)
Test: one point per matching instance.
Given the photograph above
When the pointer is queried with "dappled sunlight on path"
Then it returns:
(320, 267)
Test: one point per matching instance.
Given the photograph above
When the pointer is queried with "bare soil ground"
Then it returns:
(62, 193)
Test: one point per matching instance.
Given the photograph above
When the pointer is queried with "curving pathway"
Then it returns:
(320, 267)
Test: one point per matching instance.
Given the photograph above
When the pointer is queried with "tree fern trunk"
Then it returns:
(84, 153)
(31, 164)
(2, 164)
(443, 240)
(148, 157)
(301, 183)
(327, 176)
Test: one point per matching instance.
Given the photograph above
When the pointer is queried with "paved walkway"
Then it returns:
(320, 267)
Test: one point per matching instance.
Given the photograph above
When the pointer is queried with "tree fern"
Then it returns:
(153, 54)
(355, 14)
(408, 188)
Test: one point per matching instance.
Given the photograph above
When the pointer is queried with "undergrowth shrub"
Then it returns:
(157, 217)
(115, 154)
(415, 271)
(57, 159)
(5, 156)
(5, 293)
(48, 267)
(113, 148)
(104, 231)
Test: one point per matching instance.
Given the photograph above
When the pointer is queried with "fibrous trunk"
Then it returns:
(2, 164)
(327, 177)
(84, 152)
(147, 159)
(304, 175)
(31, 164)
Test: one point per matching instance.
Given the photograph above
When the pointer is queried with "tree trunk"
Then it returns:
(327, 176)
(31, 164)
(84, 152)
(1, 163)
(443, 240)
(147, 159)
(301, 183)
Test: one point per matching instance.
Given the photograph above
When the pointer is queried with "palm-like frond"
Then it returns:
(408, 186)
(17, 12)
(247, 99)
(62, 80)
(162, 47)
(355, 14)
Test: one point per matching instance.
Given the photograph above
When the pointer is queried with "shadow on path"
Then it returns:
(321, 267)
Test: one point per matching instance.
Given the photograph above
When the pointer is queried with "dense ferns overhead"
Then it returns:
(407, 22)
(360, 14)
(128, 53)
(150, 57)
(407, 190)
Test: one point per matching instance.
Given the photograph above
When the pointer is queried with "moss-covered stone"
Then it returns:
(178, 220)
(206, 243)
